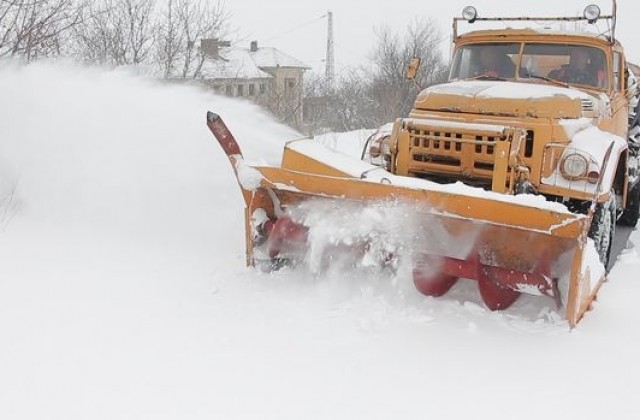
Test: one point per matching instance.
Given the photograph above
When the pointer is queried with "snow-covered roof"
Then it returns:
(234, 63)
(242, 63)
(273, 57)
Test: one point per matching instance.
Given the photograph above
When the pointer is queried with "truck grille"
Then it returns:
(453, 151)
(441, 149)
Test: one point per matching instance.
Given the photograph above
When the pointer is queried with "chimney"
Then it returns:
(254, 46)
(211, 48)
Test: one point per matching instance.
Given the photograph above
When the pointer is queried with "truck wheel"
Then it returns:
(632, 212)
(602, 230)
(636, 116)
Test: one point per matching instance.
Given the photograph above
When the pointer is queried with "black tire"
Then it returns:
(630, 214)
(603, 230)
(636, 116)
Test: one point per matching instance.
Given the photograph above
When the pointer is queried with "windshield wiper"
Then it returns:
(547, 79)
(487, 77)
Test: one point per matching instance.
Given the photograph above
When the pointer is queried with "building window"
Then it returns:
(289, 83)
(229, 90)
(263, 88)
(252, 89)
(240, 90)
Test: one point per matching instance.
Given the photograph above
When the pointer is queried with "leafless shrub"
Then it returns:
(35, 28)
(392, 93)
(369, 98)
(183, 24)
(116, 32)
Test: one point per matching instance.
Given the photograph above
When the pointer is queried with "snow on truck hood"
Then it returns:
(504, 98)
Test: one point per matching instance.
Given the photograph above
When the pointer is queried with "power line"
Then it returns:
(302, 25)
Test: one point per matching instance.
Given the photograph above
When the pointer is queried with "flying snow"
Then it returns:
(124, 292)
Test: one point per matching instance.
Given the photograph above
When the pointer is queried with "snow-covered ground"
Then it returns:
(123, 291)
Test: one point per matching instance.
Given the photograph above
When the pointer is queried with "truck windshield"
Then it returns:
(485, 61)
(566, 63)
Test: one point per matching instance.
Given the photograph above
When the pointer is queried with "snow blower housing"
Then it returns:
(525, 113)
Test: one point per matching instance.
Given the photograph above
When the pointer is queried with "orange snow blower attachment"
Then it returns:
(504, 243)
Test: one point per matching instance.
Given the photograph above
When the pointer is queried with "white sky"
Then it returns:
(294, 25)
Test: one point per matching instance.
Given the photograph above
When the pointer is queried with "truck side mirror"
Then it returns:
(412, 70)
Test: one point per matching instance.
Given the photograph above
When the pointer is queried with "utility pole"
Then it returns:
(330, 71)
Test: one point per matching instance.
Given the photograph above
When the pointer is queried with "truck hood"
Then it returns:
(507, 98)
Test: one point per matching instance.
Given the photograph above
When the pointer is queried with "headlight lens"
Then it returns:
(574, 166)
(379, 147)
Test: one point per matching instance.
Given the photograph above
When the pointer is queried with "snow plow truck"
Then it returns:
(525, 160)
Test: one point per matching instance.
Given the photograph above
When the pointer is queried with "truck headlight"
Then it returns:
(380, 147)
(574, 166)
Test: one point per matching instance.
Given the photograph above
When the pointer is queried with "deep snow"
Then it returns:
(123, 291)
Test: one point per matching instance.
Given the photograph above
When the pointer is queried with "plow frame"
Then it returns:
(279, 187)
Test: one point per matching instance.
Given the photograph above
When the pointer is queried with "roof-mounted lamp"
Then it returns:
(592, 13)
(470, 14)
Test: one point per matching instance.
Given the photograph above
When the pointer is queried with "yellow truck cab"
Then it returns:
(535, 111)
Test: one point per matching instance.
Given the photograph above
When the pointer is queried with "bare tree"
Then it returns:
(372, 97)
(184, 25)
(117, 32)
(392, 93)
(316, 112)
(170, 39)
(349, 107)
(363, 99)
(352, 103)
(35, 28)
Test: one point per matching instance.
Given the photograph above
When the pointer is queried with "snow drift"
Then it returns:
(123, 292)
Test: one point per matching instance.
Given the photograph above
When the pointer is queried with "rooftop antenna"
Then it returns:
(330, 71)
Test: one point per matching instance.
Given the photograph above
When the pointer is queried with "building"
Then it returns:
(265, 75)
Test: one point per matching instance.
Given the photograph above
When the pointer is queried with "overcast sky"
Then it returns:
(296, 26)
